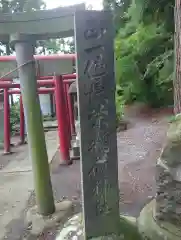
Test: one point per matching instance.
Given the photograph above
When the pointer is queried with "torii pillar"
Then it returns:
(24, 47)
(23, 29)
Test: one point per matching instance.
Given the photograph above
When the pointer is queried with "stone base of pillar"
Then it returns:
(37, 223)
(75, 149)
(153, 230)
(1, 145)
(73, 229)
(75, 153)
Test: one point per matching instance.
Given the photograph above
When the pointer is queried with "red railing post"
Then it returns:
(62, 120)
(70, 110)
(67, 113)
(22, 122)
(7, 137)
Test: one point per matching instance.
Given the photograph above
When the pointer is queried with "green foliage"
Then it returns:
(14, 117)
(26, 5)
(15, 6)
(119, 104)
(119, 8)
(144, 50)
(53, 46)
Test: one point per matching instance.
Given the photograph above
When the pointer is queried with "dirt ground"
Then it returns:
(138, 150)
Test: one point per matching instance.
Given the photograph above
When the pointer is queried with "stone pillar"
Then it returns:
(75, 143)
(94, 36)
(73, 92)
(24, 47)
(168, 177)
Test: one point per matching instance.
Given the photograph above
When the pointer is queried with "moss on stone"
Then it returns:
(74, 228)
(172, 149)
(152, 230)
(128, 228)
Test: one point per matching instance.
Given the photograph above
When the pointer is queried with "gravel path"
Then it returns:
(138, 150)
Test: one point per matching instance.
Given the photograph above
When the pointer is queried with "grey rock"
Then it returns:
(168, 177)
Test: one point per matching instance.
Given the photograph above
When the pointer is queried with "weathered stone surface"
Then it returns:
(168, 177)
(96, 97)
(73, 88)
(37, 223)
(151, 229)
(42, 24)
(74, 229)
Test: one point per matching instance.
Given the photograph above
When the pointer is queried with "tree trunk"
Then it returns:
(177, 80)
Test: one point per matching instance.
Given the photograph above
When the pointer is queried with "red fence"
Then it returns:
(64, 110)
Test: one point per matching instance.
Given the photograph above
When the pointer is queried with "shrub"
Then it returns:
(144, 52)
(14, 117)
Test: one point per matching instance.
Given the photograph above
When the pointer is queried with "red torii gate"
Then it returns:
(56, 84)
(64, 110)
